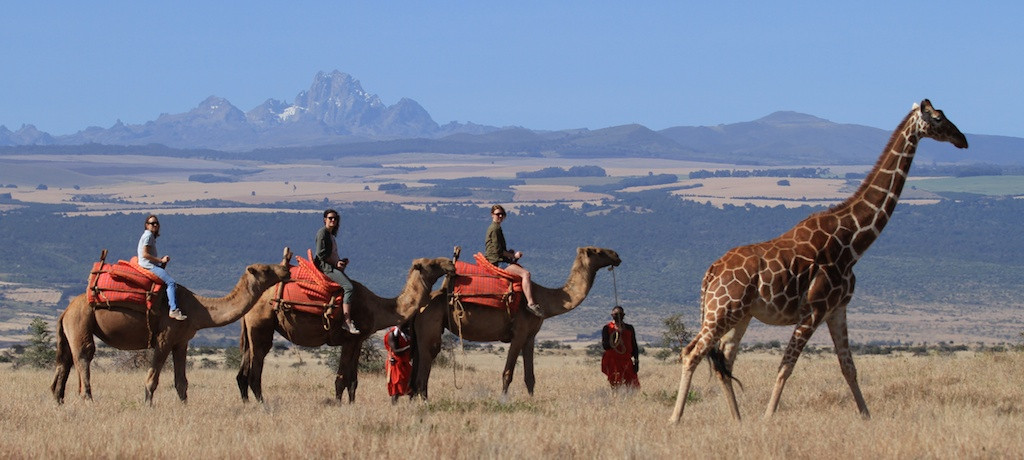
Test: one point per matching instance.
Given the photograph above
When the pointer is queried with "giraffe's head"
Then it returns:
(937, 126)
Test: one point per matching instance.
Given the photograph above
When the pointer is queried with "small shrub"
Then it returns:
(41, 351)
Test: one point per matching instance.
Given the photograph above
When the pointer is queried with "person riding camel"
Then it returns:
(326, 259)
(496, 253)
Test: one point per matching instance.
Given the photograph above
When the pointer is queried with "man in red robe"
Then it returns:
(621, 359)
(398, 344)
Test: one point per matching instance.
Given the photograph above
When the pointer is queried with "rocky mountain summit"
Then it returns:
(335, 109)
(337, 117)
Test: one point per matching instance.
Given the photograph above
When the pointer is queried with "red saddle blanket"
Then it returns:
(123, 282)
(309, 290)
(486, 284)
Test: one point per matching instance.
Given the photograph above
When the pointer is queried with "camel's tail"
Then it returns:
(243, 340)
(63, 349)
(718, 363)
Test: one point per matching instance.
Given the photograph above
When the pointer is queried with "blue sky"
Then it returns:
(541, 65)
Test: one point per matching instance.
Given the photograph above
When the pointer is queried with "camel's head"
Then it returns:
(598, 257)
(265, 275)
(432, 269)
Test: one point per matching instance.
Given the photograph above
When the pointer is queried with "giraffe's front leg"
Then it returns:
(840, 338)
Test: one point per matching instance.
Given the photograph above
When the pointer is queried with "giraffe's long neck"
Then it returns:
(869, 209)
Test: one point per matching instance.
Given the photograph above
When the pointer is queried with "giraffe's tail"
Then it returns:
(720, 366)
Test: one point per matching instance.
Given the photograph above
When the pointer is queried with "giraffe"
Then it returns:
(805, 276)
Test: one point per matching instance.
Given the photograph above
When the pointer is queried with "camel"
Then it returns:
(370, 312)
(130, 327)
(487, 324)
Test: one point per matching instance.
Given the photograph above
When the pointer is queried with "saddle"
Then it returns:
(309, 291)
(485, 284)
(125, 282)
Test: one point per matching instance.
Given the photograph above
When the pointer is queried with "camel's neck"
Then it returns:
(387, 312)
(866, 213)
(558, 301)
(216, 312)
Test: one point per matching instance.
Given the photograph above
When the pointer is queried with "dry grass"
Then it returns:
(969, 405)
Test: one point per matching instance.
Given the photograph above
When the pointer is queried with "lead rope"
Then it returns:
(615, 286)
(454, 305)
(616, 337)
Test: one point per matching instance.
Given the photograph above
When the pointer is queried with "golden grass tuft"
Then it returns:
(964, 405)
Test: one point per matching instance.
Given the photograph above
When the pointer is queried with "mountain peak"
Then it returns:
(787, 117)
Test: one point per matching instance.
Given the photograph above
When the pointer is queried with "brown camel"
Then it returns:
(370, 312)
(487, 324)
(130, 327)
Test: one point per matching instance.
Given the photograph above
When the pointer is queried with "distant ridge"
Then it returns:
(337, 117)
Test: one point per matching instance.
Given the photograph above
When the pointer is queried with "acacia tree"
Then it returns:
(674, 337)
(40, 352)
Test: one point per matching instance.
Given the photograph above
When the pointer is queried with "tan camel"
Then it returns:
(488, 324)
(804, 277)
(129, 327)
(370, 312)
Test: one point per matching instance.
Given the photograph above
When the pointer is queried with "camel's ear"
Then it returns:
(252, 270)
(418, 266)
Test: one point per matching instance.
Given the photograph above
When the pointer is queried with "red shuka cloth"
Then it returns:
(617, 364)
(308, 285)
(488, 285)
(123, 282)
(399, 373)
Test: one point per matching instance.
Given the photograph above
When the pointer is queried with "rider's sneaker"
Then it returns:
(178, 315)
(351, 327)
(535, 309)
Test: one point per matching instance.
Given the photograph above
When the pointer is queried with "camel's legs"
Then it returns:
(64, 363)
(426, 352)
(515, 347)
(429, 327)
(348, 370)
(153, 378)
(245, 361)
(528, 376)
(801, 335)
(840, 338)
(260, 339)
(180, 355)
(82, 350)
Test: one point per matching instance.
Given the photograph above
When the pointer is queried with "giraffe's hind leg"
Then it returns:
(691, 356)
(699, 347)
(730, 348)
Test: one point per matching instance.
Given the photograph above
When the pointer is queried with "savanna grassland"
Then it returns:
(964, 405)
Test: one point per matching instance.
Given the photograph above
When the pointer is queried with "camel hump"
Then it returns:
(308, 290)
(487, 285)
(124, 282)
